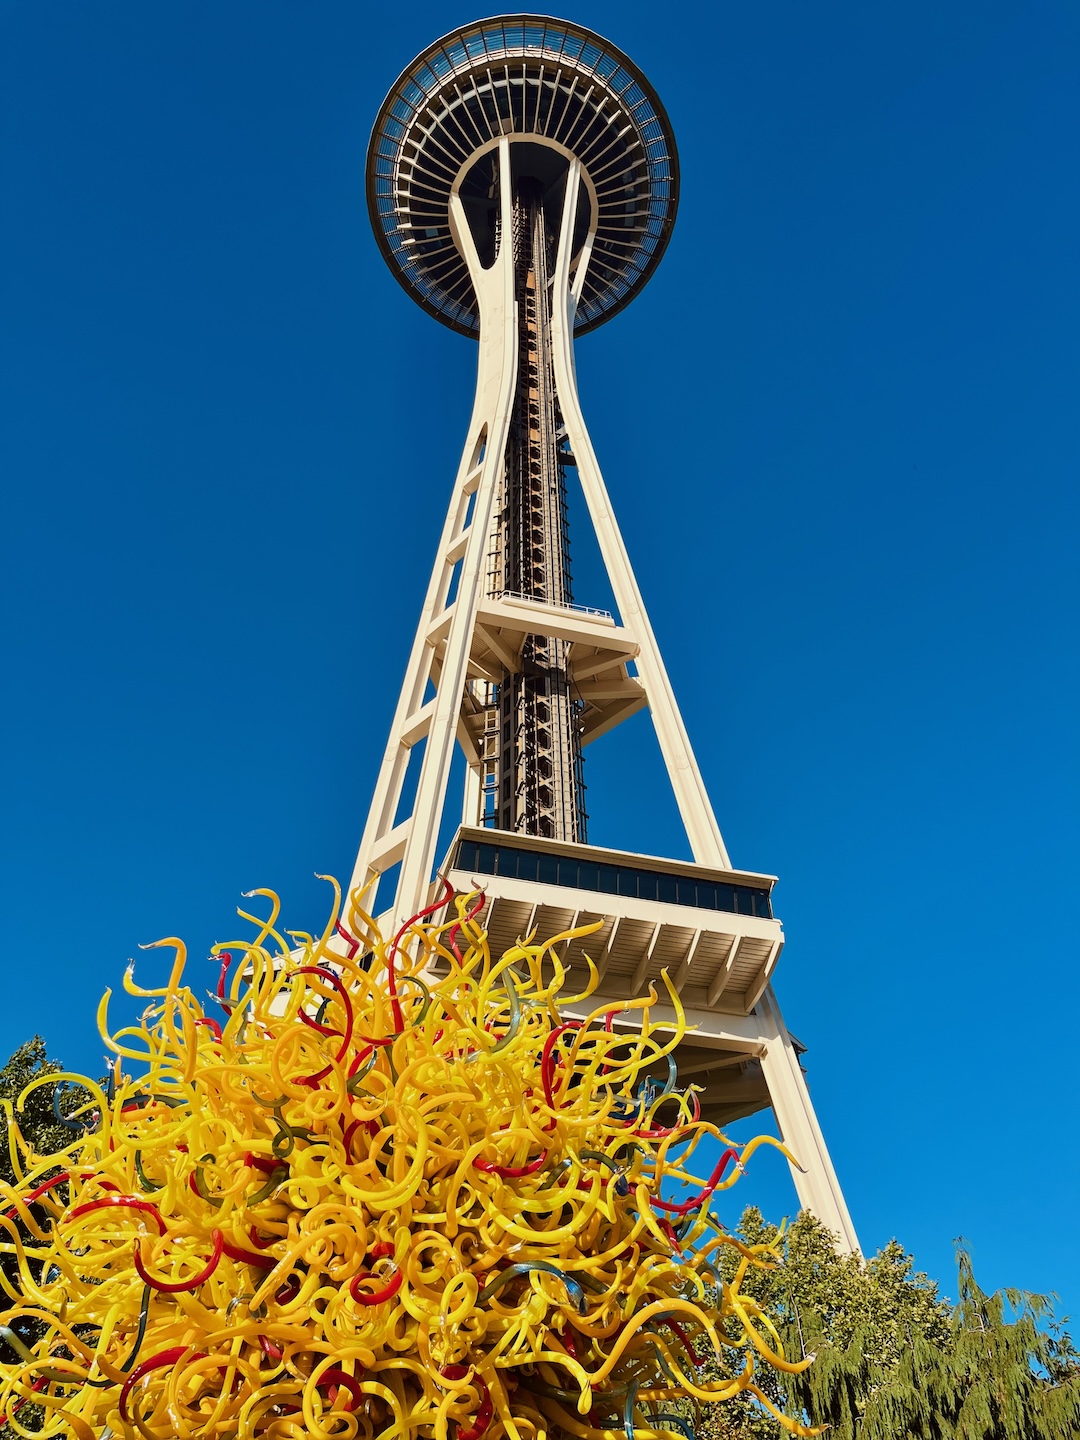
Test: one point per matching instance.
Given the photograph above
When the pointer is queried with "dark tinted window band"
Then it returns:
(578, 874)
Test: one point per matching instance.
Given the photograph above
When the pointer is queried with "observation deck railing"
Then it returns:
(558, 604)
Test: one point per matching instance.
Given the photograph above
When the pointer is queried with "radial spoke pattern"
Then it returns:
(523, 76)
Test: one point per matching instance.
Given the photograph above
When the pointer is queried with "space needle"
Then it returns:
(522, 182)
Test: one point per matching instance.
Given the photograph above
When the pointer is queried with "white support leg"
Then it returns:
(440, 652)
(695, 808)
(470, 800)
(815, 1182)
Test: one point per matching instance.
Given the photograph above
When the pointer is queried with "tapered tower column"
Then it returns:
(439, 661)
(522, 182)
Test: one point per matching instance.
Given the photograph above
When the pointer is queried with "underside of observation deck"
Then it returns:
(528, 77)
(712, 931)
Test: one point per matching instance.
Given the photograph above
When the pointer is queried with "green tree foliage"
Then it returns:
(37, 1122)
(43, 1133)
(894, 1360)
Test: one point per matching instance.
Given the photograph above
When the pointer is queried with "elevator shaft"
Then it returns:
(540, 788)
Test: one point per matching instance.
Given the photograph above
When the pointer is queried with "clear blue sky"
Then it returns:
(840, 427)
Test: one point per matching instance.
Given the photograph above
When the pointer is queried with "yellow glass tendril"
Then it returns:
(387, 1191)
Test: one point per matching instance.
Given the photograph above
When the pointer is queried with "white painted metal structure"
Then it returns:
(469, 639)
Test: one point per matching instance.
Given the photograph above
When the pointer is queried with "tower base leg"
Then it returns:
(815, 1182)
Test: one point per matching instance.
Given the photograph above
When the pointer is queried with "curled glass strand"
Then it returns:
(387, 1192)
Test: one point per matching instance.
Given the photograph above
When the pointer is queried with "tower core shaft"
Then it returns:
(534, 784)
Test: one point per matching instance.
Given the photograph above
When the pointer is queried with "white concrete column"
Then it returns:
(815, 1182)
(413, 839)
(695, 807)
(470, 800)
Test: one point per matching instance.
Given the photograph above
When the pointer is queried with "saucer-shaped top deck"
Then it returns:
(539, 81)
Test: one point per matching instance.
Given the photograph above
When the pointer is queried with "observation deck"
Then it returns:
(712, 930)
(543, 83)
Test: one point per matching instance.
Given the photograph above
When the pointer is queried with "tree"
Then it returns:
(894, 1361)
(44, 1133)
(998, 1379)
(37, 1123)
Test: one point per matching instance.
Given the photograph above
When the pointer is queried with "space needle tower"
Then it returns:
(522, 182)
